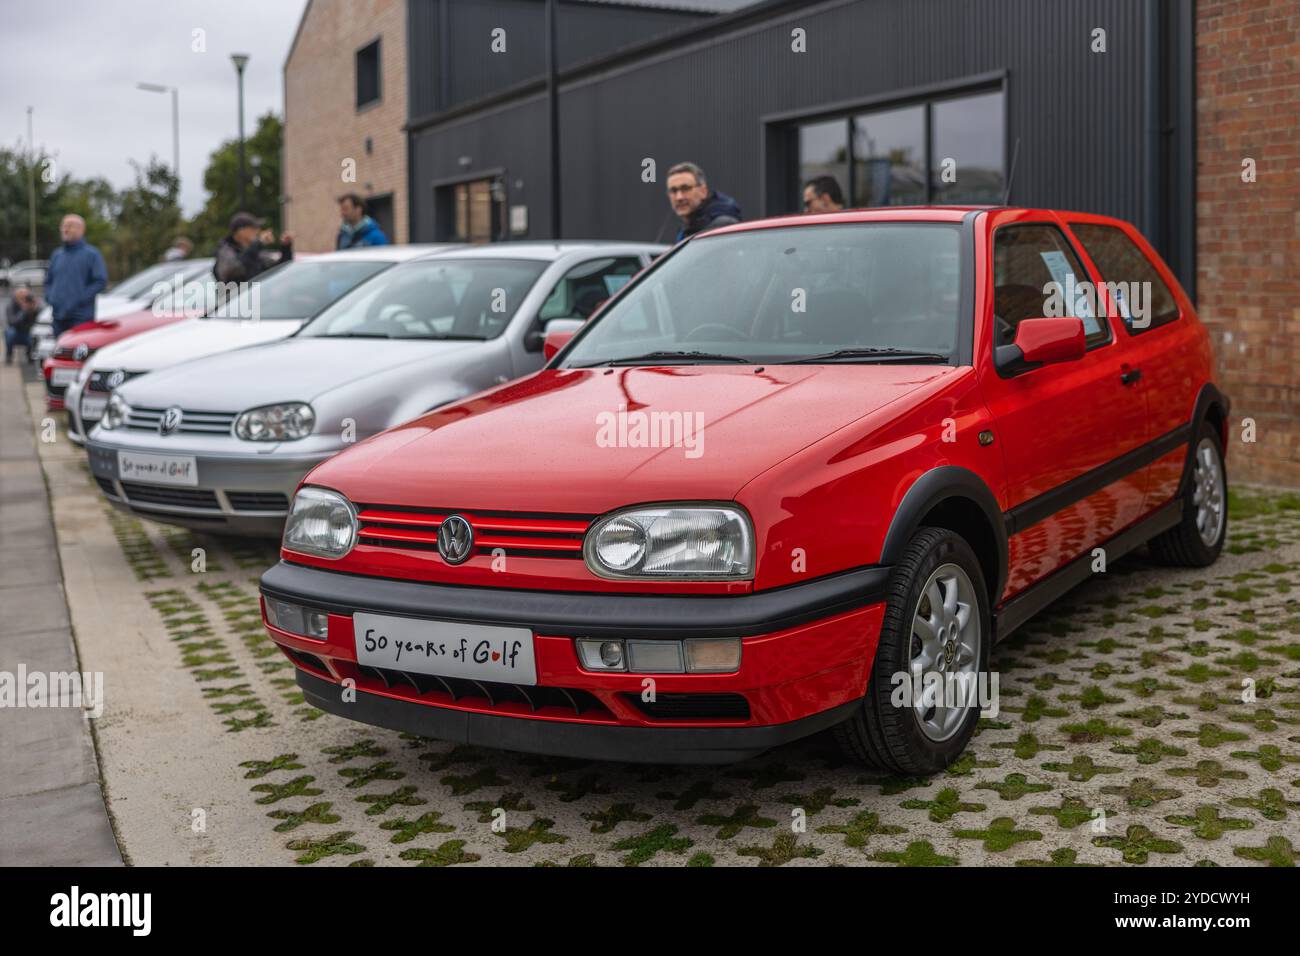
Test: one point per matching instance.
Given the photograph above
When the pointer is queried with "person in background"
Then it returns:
(695, 204)
(75, 275)
(180, 249)
(822, 194)
(241, 254)
(357, 229)
(20, 316)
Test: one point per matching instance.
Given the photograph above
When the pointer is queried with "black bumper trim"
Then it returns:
(672, 745)
(583, 613)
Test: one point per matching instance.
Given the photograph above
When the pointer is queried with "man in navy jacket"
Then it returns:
(76, 275)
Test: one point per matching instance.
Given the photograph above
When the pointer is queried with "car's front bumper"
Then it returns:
(59, 374)
(806, 656)
(246, 495)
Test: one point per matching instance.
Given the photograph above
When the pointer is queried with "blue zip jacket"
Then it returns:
(76, 275)
(365, 233)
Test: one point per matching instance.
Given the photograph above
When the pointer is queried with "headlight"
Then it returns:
(115, 412)
(322, 523)
(688, 542)
(286, 422)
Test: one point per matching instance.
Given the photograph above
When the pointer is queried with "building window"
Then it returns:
(948, 150)
(368, 75)
(478, 210)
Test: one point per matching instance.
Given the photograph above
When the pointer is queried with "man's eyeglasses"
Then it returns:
(674, 190)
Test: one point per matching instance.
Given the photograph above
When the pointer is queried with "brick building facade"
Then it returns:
(1248, 233)
(345, 99)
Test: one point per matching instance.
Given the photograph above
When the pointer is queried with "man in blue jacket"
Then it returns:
(697, 205)
(76, 275)
(357, 228)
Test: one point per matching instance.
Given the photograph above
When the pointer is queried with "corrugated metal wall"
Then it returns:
(1078, 114)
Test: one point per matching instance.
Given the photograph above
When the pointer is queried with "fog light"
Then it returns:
(601, 655)
(712, 655)
(654, 657)
(295, 619)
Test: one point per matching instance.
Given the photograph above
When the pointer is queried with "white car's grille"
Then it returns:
(192, 422)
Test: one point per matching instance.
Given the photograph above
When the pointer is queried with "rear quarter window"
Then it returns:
(1132, 280)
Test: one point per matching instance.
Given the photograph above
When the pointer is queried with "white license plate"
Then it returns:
(93, 407)
(445, 648)
(63, 376)
(157, 469)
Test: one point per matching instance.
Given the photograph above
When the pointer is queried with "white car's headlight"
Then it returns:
(287, 422)
(690, 541)
(320, 522)
(115, 412)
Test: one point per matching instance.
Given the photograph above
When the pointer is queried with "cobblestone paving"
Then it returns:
(1151, 717)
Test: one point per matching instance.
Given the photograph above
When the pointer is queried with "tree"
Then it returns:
(221, 180)
(148, 218)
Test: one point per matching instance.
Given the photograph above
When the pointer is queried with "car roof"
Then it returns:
(882, 214)
(548, 251)
(386, 253)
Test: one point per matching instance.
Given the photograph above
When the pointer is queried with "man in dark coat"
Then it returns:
(240, 255)
(695, 204)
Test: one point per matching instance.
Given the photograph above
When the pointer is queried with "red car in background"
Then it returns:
(800, 474)
(78, 344)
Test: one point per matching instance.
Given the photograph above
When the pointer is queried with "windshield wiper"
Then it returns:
(868, 353)
(655, 357)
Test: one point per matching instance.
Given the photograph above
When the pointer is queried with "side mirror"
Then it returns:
(558, 333)
(1041, 342)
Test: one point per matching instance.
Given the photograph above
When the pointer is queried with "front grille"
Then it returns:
(98, 381)
(167, 495)
(513, 533)
(303, 659)
(192, 422)
(106, 486)
(557, 701)
(692, 706)
(258, 500)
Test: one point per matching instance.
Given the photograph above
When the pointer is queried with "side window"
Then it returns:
(1132, 282)
(1036, 273)
(586, 286)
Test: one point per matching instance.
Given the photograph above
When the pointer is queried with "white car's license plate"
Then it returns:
(92, 407)
(157, 469)
(445, 648)
(63, 376)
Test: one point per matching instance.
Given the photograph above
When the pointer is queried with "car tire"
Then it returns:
(1197, 539)
(890, 737)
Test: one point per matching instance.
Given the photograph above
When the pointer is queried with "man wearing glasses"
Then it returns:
(695, 204)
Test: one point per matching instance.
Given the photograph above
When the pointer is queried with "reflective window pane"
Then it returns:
(889, 158)
(968, 142)
(823, 151)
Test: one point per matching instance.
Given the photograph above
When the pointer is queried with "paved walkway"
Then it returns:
(51, 807)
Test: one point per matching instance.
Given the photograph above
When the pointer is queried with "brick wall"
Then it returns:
(1248, 234)
(323, 126)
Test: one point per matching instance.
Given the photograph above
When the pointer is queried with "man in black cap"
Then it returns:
(240, 254)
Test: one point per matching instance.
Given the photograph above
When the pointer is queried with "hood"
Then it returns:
(104, 332)
(575, 440)
(190, 339)
(294, 370)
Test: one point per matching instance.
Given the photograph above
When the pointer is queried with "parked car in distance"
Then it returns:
(800, 474)
(286, 297)
(221, 443)
(28, 272)
(78, 344)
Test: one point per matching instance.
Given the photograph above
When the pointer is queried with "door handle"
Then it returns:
(1129, 376)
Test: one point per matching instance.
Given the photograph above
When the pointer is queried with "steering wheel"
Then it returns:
(728, 333)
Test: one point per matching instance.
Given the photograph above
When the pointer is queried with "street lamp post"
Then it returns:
(176, 121)
(241, 60)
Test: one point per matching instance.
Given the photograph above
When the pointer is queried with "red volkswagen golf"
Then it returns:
(801, 474)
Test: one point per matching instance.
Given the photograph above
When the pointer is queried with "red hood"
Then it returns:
(535, 444)
(104, 332)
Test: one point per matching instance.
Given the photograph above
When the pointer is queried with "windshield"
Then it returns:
(433, 299)
(843, 292)
(296, 290)
(141, 284)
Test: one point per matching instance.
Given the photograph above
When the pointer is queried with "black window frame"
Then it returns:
(1155, 270)
(377, 46)
(1102, 318)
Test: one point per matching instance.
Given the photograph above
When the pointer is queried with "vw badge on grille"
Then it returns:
(170, 421)
(115, 378)
(455, 539)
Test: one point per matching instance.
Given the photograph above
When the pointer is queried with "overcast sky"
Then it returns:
(78, 61)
